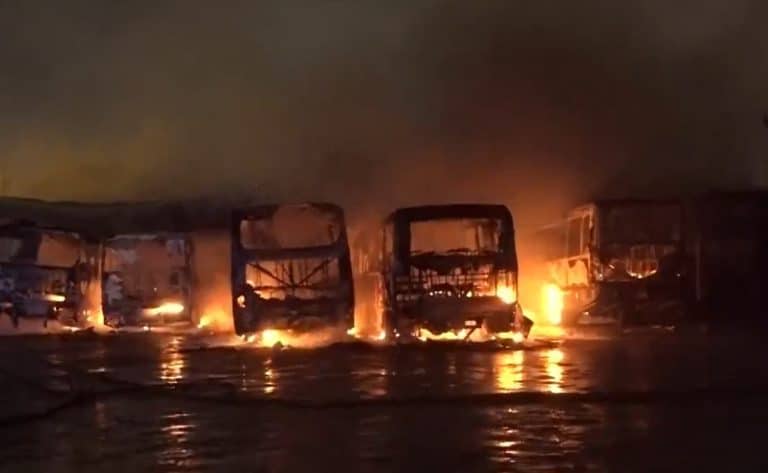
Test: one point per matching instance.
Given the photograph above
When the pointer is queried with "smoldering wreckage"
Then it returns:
(429, 272)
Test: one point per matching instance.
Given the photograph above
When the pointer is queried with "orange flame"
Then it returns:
(270, 338)
(168, 308)
(507, 294)
(552, 304)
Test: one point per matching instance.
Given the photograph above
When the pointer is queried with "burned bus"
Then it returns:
(619, 262)
(147, 280)
(450, 269)
(44, 275)
(729, 244)
(291, 269)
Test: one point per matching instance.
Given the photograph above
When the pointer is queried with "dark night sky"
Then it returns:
(380, 102)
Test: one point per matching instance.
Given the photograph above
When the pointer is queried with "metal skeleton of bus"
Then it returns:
(291, 268)
(147, 280)
(620, 262)
(448, 268)
(45, 274)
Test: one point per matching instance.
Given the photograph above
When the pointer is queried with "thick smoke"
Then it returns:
(376, 104)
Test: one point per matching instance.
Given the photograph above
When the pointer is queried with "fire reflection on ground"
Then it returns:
(177, 431)
(372, 382)
(435, 397)
(553, 360)
(172, 363)
(270, 377)
(509, 370)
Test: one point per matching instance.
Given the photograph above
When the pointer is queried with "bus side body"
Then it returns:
(622, 262)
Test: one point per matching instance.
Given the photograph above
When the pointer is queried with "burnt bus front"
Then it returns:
(44, 275)
(291, 269)
(623, 263)
(147, 280)
(450, 269)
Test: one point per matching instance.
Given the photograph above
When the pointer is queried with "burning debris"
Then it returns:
(281, 339)
(291, 269)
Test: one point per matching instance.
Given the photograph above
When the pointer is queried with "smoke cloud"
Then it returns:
(377, 104)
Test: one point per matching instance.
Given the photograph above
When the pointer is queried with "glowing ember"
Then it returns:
(54, 298)
(552, 304)
(169, 308)
(507, 294)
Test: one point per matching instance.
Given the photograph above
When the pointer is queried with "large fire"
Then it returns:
(552, 304)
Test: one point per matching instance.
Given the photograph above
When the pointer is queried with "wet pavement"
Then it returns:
(151, 402)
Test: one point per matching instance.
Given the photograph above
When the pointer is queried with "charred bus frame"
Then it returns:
(136, 294)
(31, 288)
(620, 262)
(456, 289)
(287, 286)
